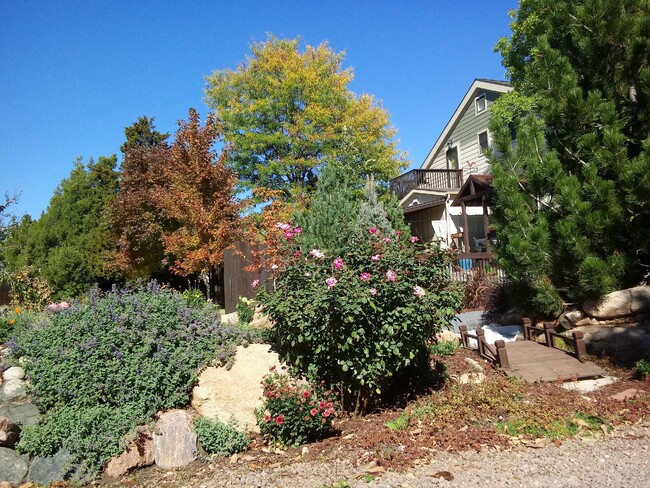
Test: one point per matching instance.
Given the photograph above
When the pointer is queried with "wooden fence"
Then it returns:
(237, 280)
(465, 264)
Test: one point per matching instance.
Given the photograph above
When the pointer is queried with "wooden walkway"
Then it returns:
(534, 361)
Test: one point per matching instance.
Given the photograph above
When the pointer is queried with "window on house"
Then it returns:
(483, 142)
(480, 104)
(452, 158)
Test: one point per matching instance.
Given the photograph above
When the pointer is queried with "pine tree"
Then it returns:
(572, 195)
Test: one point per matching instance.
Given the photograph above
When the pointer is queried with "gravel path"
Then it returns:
(620, 460)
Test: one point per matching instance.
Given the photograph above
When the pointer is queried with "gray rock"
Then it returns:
(13, 466)
(14, 373)
(640, 299)
(9, 432)
(174, 442)
(45, 470)
(568, 319)
(13, 390)
(25, 414)
(611, 306)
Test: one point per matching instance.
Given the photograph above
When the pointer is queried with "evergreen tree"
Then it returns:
(143, 134)
(572, 195)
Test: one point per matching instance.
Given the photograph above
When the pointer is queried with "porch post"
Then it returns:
(486, 226)
(465, 228)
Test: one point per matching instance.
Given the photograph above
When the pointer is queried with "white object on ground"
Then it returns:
(493, 333)
(587, 386)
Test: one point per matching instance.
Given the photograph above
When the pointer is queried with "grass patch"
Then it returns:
(443, 348)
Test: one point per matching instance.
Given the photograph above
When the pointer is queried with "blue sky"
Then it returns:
(74, 74)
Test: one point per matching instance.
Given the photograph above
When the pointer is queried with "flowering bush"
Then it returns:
(358, 318)
(292, 415)
(102, 366)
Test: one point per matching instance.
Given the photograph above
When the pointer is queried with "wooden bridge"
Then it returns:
(534, 361)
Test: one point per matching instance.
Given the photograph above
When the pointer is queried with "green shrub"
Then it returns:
(27, 287)
(642, 367)
(14, 319)
(357, 319)
(245, 310)
(134, 352)
(219, 438)
(444, 348)
(292, 415)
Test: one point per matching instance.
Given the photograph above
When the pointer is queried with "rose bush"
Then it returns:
(357, 318)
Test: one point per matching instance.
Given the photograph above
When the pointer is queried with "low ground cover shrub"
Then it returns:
(222, 439)
(292, 415)
(443, 348)
(112, 361)
(642, 367)
(245, 310)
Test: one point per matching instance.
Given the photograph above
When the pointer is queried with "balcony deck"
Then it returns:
(426, 179)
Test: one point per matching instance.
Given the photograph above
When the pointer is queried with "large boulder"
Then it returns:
(9, 432)
(13, 466)
(174, 441)
(25, 414)
(13, 390)
(45, 470)
(138, 454)
(625, 342)
(235, 393)
(14, 373)
(622, 303)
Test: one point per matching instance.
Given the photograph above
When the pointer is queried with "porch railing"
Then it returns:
(426, 179)
(465, 264)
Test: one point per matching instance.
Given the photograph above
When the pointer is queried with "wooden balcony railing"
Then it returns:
(426, 179)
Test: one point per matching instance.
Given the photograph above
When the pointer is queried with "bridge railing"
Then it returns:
(576, 341)
(496, 354)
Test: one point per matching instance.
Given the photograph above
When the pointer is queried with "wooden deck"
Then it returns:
(533, 362)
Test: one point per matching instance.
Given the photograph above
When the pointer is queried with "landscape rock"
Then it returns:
(448, 336)
(582, 322)
(628, 394)
(622, 303)
(235, 393)
(470, 378)
(568, 319)
(628, 342)
(474, 365)
(137, 455)
(9, 432)
(640, 299)
(587, 386)
(13, 390)
(24, 414)
(13, 466)
(14, 373)
(174, 442)
(45, 470)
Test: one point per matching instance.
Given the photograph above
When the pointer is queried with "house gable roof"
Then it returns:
(479, 85)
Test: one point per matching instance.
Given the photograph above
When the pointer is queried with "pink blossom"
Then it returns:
(398, 233)
(306, 394)
(387, 239)
(376, 257)
(288, 234)
(267, 418)
(419, 291)
(297, 230)
(372, 230)
(321, 405)
(279, 419)
(313, 412)
(331, 282)
(414, 239)
(364, 276)
(338, 263)
(297, 253)
(391, 275)
(255, 283)
(317, 254)
(373, 291)
(327, 413)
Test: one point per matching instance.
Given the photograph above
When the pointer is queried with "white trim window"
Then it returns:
(483, 141)
(480, 104)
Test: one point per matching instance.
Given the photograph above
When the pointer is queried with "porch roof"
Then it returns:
(473, 191)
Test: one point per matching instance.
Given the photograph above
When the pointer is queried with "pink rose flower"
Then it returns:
(398, 233)
(267, 418)
(306, 394)
(372, 230)
(364, 276)
(297, 230)
(297, 253)
(419, 291)
(279, 419)
(317, 254)
(313, 412)
(255, 283)
(373, 291)
(376, 257)
(338, 263)
(391, 275)
(321, 405)
(331, 282)
(414, 239)
(327, 413)
(288, 234)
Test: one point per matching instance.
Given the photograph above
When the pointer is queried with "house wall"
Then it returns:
(465, 135)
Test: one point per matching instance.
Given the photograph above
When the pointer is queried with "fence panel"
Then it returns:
(237, 280)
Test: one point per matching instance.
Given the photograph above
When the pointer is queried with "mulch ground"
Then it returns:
(367, 440)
